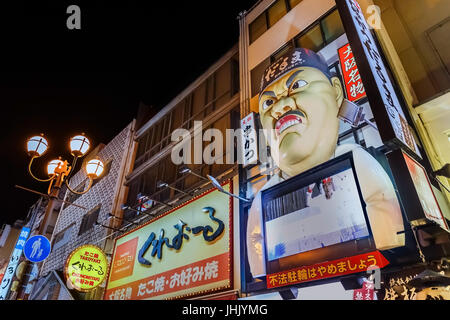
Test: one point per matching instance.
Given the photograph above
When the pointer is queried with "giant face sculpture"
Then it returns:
(298, 105)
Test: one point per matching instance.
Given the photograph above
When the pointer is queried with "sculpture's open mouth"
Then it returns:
(288, 120)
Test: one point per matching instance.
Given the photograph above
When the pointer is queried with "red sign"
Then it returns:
(366, 293)
(193, 275)
(328, 269)
(124, 260)
(353, 83)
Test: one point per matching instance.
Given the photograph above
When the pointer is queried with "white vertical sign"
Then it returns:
(13, 262)
(384, 84)
(249, 140)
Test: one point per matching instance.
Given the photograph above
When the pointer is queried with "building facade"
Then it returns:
(171, 232)
(268, 32)
(162, 189)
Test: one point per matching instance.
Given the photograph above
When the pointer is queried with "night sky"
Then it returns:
(63, 82)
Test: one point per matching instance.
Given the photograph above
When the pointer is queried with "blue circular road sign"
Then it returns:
(37, 248)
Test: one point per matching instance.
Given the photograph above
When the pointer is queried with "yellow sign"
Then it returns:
(86, 267)
(184, 252)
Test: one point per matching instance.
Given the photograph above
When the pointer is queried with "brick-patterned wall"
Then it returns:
(101, 193)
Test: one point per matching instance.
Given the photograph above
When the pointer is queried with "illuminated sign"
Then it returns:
(13, 263)
(329, 269)
(184, 252)
(352, 80)
(249, 140)
(86, 268)
(380, 90)
(365, 293)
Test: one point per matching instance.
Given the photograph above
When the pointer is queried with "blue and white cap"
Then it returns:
(298, 57)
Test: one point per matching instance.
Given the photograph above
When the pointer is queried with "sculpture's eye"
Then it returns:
(266, 104)
(298, 84)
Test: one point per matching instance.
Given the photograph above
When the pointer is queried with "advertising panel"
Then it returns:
(184, 252)
(425, 193)
(86, 267)
(13, 263)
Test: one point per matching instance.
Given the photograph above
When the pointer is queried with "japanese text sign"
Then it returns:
(328, 269)
(396, 286)
(249, 140)
(366, 293)
(86, 267)
(374, 74)
(13, 262)
(184, 252)
(352, 80)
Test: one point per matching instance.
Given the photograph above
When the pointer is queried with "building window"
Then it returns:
(62, 237)
(210, 95)
(269, 17)
(332, 26)
(276, 11)
(165, 170)
(312, 39)
(258, 27)
(274, 57)
(293, 3)
(320, 34)
(89, 219)
(223, 84)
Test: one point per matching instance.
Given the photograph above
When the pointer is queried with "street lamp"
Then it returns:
(59, 171)
(37, 145)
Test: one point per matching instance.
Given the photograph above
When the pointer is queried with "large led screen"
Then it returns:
(315, 214)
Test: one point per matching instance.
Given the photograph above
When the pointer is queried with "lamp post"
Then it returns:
(58, 171)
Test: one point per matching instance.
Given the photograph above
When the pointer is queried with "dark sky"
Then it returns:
(63, 82)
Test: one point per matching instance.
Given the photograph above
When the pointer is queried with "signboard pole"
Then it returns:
(54, 194)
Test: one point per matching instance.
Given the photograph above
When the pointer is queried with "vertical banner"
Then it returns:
(13, 263)
(352, 80)
(249, 140)
(380, 91)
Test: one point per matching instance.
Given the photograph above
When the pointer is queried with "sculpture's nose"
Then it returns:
(281, 107)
